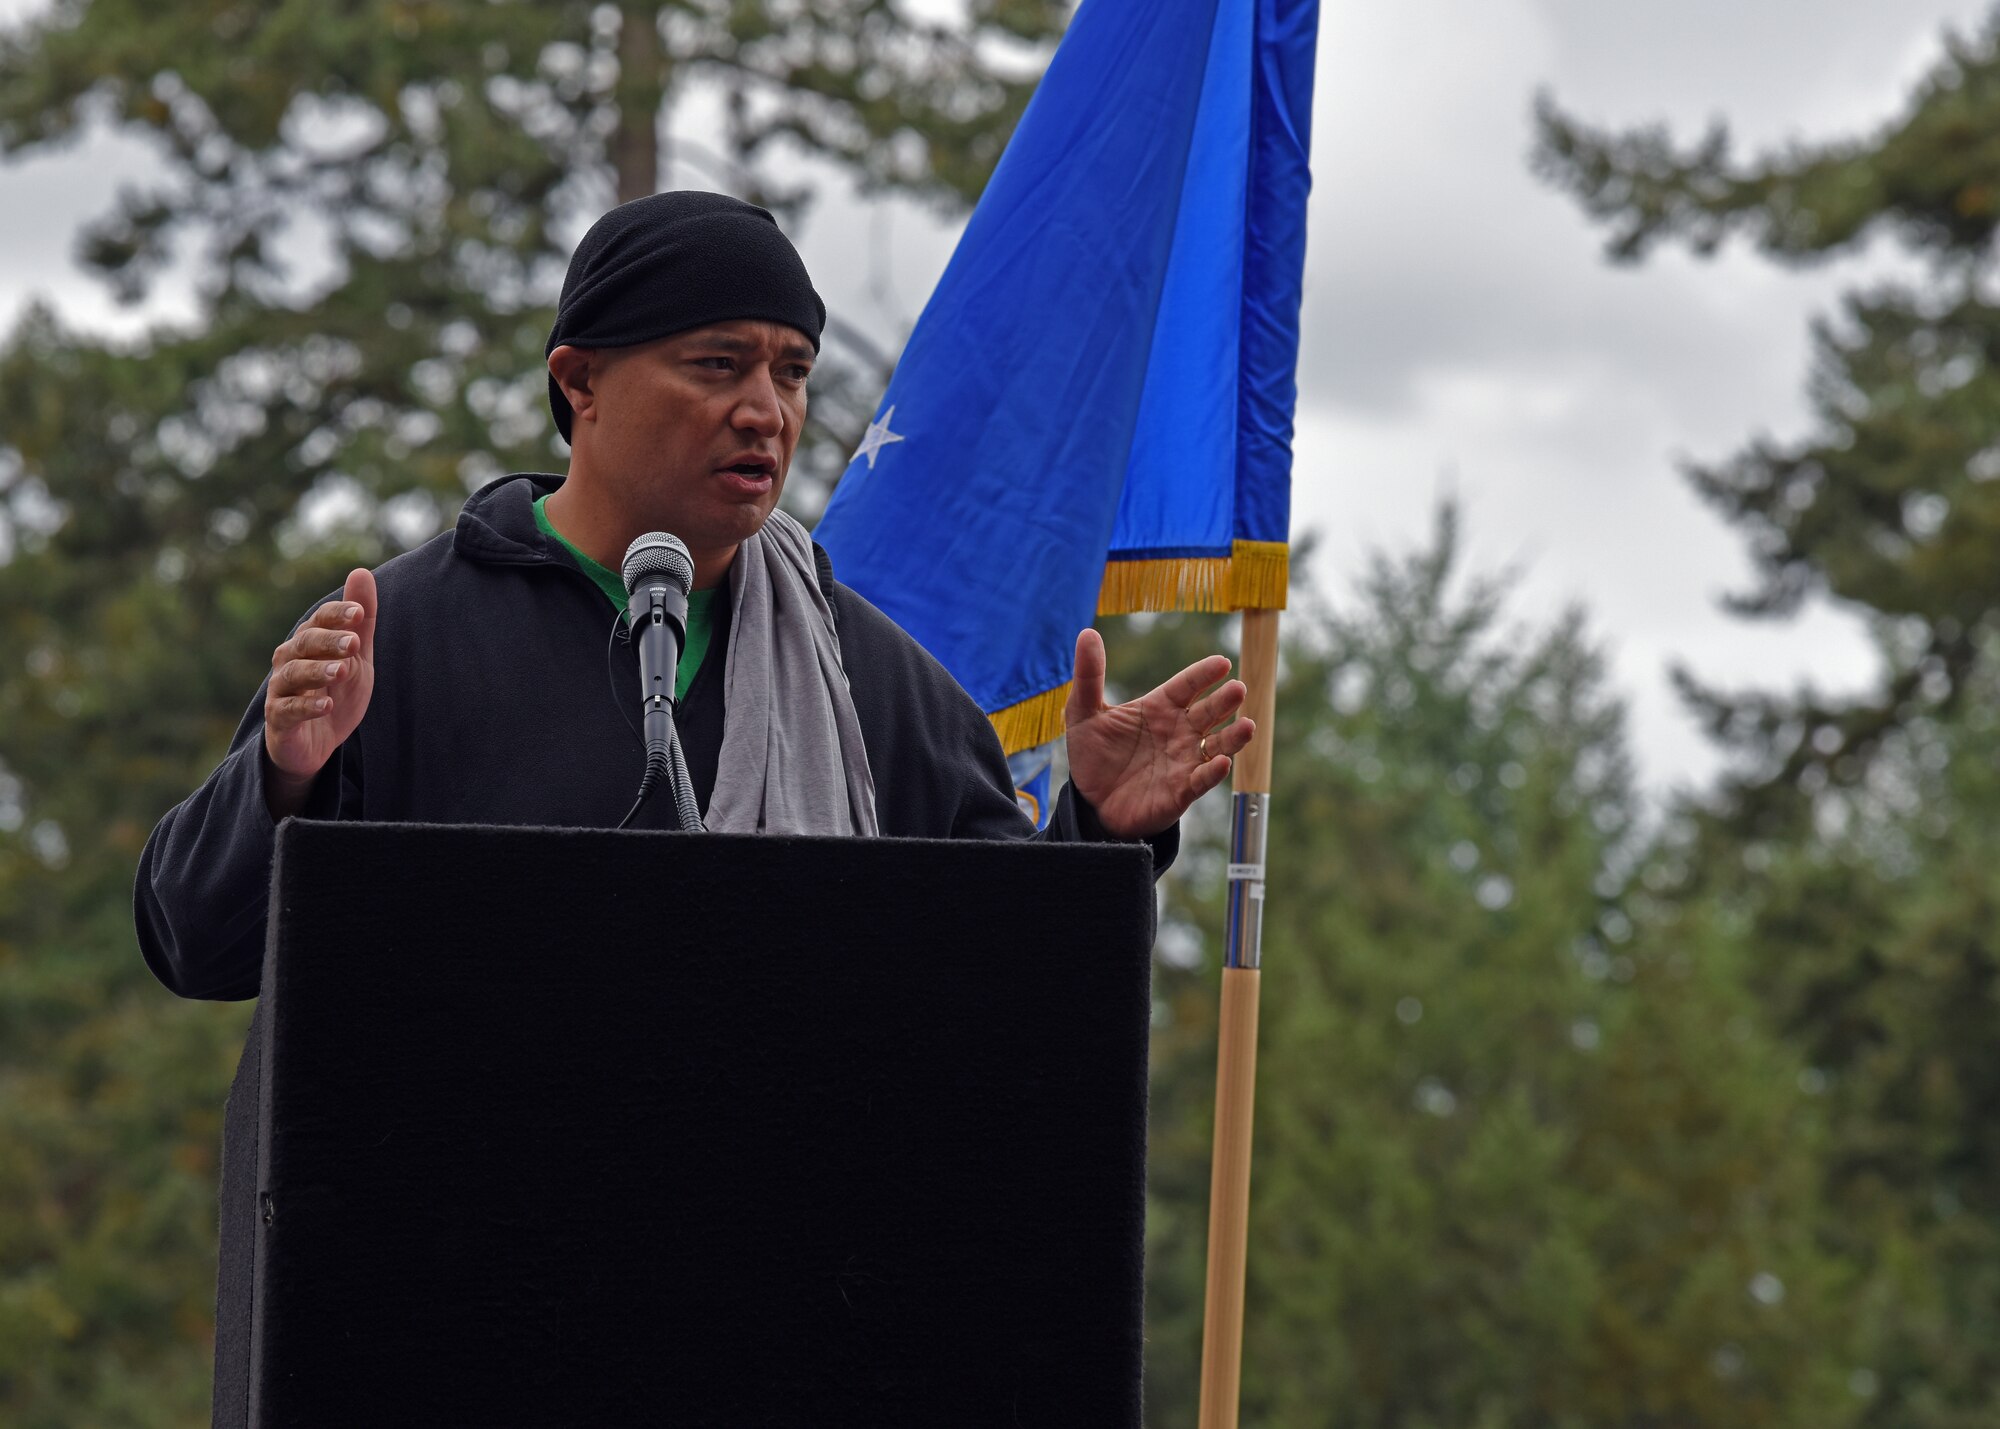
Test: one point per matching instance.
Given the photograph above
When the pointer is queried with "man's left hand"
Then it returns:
(1142, 763)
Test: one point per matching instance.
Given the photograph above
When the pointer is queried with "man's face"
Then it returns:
(694, 433)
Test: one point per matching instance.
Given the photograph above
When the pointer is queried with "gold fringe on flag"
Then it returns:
(1253, 576)
(1035, 720)
(1175, 583)
(1260, 574)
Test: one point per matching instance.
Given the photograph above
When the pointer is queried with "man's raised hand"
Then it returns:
(321, 679)
(1142, 763)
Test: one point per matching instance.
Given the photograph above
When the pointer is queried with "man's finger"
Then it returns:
(1206, 776)
(334, 615)
(1086, 696)
(335, 618)
(321, 634)
(1205, 714)
(315, 641)
(295, 677)
(282, 716)
(360, 590)
(1184, 688)
(1232, 739)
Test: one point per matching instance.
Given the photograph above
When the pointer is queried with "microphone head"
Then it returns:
(658, 555)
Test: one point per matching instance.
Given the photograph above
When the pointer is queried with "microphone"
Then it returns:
(658, 574)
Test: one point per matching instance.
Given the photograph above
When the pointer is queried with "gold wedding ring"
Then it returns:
(1202, 746)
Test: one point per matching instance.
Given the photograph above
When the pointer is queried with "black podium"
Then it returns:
(556, 1127)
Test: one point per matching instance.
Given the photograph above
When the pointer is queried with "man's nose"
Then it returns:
(757, 406)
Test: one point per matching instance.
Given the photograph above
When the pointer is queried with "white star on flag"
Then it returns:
(878, 437)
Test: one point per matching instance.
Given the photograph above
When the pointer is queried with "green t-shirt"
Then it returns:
(701, 604)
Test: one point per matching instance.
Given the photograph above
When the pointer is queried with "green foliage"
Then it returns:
(1875, 947)
(1891, 504)
(1523, 1156)
(1850, 857)
(1928, 177)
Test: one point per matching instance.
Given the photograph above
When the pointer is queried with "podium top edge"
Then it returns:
(305, 834)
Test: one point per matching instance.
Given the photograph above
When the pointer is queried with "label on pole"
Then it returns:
(1246, 870)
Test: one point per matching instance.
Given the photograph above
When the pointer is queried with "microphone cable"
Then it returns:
(669, 762)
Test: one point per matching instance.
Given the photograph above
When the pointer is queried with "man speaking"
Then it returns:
(479, 679)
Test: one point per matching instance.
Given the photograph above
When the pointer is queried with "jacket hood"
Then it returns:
(497, 524)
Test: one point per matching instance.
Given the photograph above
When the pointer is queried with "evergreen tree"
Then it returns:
(1850, 855)
(1875, 944)
(1525, 1153)
(169, 506)
(1891, 504)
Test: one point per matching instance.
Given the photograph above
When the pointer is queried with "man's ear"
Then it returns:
(571, 368)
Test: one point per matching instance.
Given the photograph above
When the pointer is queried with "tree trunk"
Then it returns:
(635, 147)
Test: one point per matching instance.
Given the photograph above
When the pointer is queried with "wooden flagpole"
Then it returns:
(1236, 1056)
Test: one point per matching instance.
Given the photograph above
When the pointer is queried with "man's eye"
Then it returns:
(717, 363)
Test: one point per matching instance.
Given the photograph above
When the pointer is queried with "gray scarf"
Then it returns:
(792, 760)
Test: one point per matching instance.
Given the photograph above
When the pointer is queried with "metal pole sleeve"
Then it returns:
(1243, 934)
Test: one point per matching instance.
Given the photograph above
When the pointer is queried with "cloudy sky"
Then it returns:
(1462, 332)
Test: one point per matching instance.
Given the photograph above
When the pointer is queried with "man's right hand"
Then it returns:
(321, 679)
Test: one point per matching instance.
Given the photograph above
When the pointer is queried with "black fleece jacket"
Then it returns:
(500, 699)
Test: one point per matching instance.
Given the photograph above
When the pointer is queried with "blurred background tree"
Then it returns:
(374, 203)
(1849, 853)
(1520, 1157)
(1891, 506)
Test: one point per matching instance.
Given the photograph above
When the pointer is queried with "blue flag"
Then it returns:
(1094, 411)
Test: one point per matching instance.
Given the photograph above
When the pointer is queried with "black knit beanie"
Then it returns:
(675, 261)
